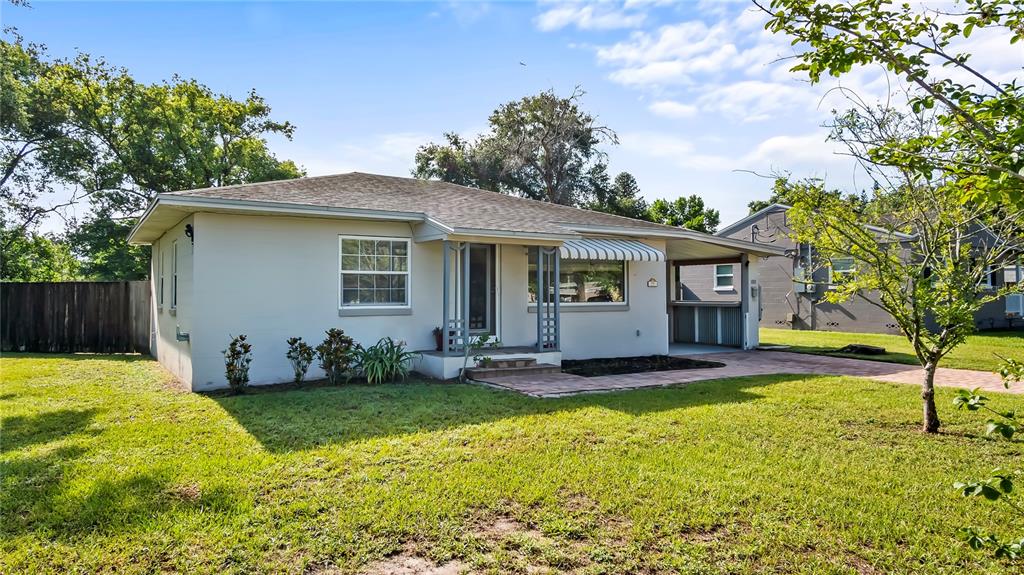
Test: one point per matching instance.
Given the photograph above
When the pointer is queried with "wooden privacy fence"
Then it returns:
(98, 317)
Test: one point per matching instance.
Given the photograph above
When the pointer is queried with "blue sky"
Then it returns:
(694, 89)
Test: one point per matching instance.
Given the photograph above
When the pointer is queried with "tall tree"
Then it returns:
(620, 196)
(688, 212)
(87, 132)
(540, 147)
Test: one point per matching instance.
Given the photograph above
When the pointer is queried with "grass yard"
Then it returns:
(107, 469)
(978, 352)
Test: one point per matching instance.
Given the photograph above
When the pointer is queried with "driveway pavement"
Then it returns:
(744, 363)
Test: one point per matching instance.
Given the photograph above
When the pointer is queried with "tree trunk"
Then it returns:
(930, 424)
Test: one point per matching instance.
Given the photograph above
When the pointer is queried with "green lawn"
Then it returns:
(106, 469)
(980, 351)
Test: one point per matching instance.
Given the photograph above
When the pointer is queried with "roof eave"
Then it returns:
(197, 204)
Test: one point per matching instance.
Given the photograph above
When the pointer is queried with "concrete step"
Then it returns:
(507, 362)
(483, 373)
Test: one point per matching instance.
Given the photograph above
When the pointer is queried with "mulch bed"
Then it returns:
(627, 365)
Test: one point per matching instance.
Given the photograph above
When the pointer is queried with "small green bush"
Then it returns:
(237, 358)
(336, 355)
(300, 355)
(387, 360)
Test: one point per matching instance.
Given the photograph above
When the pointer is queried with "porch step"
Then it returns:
(513, 362)
(484, 373)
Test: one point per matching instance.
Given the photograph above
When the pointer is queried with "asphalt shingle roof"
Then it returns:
(449, 204)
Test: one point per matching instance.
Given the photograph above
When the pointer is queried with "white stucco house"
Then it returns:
(386, 256)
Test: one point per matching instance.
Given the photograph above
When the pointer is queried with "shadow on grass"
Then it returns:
(302, 419)
(36, 496)
(21, 431)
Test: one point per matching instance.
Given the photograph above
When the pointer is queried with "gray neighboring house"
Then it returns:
(789, 304)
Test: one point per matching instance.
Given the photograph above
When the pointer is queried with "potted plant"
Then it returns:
(438, 339)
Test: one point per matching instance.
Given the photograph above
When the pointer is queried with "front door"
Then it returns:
(481, 289)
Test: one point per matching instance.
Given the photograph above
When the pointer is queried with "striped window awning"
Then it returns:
(604, 249)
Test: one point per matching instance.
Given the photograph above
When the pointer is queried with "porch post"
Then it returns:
(465, 293)
(446, 254)
(541, 292)
(744, 297)
(556, 254)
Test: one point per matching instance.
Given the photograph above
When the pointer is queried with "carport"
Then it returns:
(713, 291)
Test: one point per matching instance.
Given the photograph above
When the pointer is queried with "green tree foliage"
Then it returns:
(540, 147)
(620, 196)
(85, 131)
(32, 257)
(688, 212)
(921, 250)
(999, 486)
(460, 162)
(781, 195)
(977, 135)
(947, 165)
(101, 243)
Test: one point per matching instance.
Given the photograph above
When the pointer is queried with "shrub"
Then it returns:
(237, 358)
(387, 360)
(300, 354)
(336, 354)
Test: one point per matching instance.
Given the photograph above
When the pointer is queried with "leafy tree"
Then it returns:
(460, 162)
(948, 164)
(101, 242)
(977, 136)
(32, 257)
(620, 197)
(688, 212)
(540, 147)
(920, 249)
(84, 127)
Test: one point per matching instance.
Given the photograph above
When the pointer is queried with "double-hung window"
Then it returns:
(374, 272)
(725, 277)
(841, 269)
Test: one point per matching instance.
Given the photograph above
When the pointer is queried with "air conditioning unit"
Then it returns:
(810, 288)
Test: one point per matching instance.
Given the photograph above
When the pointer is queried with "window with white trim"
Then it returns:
(840, 269)
(174, 274)
(725, 277)
(160, 273)
(374, 272)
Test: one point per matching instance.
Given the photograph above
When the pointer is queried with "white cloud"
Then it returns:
(675, 42)
(755, 101)
(807, 150)
(599, 16)
(678, 150)
(672, 109)
(390, 154)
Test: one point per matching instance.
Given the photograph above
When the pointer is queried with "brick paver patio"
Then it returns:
(744, 363)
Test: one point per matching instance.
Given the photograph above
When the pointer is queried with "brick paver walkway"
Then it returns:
(746, 363)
